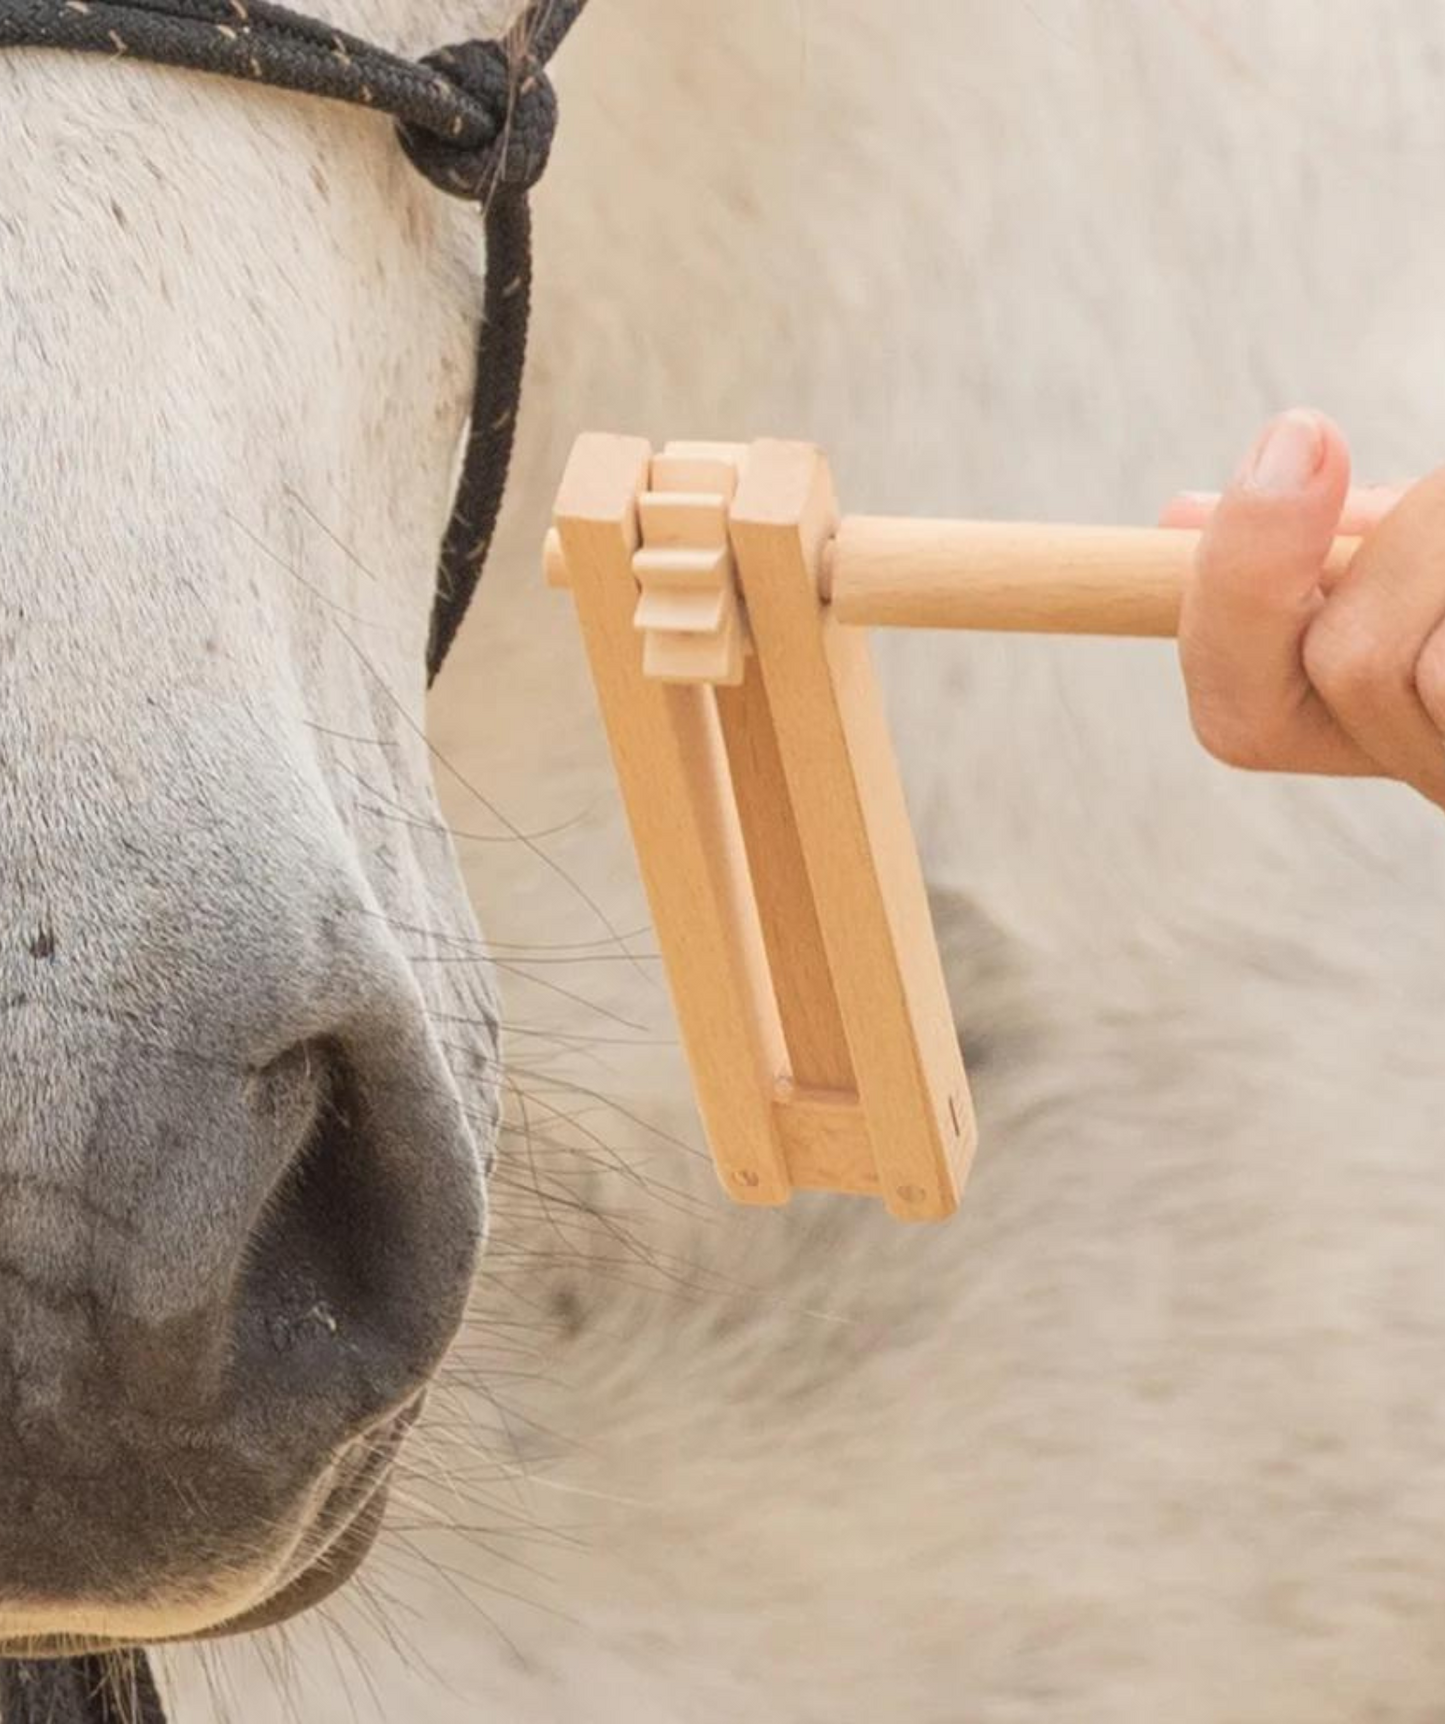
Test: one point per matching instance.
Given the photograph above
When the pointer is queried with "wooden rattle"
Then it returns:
(723, 604)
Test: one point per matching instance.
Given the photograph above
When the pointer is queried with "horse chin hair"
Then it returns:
(332, 1547)
(316, 1582)
(340, 1560)
(337, 1542)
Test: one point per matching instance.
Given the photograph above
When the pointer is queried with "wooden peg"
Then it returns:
(1014, 575)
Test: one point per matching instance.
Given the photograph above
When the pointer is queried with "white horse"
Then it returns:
(1150, 1430)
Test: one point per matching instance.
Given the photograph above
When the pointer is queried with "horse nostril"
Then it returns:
(289, 1091)
(305, 1260)
(355, 1277)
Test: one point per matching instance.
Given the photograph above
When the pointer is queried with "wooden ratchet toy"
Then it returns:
(723, 605)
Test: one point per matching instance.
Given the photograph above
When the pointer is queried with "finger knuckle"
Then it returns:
(1353, 670)
(1430, 678)
(1226, 734)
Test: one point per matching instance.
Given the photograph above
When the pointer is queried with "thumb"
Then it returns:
(1255, 586)
(1257, 573)
(1267, 541)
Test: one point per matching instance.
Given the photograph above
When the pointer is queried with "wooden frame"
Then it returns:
(769, 822)
(721, 600)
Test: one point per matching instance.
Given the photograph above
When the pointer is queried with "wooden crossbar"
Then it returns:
(723, 604)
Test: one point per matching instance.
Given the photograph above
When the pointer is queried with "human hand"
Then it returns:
(1290, 668)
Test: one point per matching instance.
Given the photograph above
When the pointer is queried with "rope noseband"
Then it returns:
(477, 120)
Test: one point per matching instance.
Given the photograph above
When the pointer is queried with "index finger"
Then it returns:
(1365, 507)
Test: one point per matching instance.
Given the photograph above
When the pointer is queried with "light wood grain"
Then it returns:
(818, 1056)
(690, 615)
(855, 834)
(668, 750)
(554, 563)
(826, 1140)
(684, 518)
(1019, 576)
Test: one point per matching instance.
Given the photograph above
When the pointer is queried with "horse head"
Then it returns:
(247, 1039)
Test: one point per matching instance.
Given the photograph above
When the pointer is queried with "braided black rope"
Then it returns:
(119, 1689)
(476, 119)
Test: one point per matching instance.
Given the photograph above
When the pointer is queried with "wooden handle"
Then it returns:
(1015, 576)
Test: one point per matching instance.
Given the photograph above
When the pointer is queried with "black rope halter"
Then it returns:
(115, 1689)
(478, 120)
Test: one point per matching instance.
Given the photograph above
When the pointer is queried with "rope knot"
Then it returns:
(506, 148)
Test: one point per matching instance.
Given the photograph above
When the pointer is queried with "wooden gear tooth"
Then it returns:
(681, 611)
(710, 467)
(670, 655)
(689, 611)
(677, 520)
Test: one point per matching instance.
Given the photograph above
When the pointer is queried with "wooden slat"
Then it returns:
(856, 837)
(818, 1056)
(672, 768)
(825, 1137)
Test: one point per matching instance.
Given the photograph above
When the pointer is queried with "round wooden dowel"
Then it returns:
(1014, 576)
